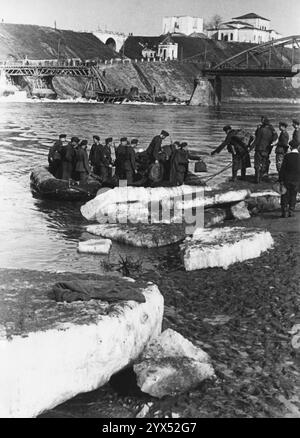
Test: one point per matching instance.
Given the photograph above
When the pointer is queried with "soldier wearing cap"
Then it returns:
(236, 145)
(55, 156)
(125, 161)
(105, 160)
(282, 145)
(296, 135)
(94, 154)
(69, 158)
(82, 167)
(265, 136)
(289, 176)
(154, 149)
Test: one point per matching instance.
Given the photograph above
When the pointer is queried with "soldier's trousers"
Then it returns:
(261, 164)
(67, 170)
(56, 168)
(289, 200)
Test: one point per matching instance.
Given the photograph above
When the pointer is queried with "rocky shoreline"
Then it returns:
(242, 319)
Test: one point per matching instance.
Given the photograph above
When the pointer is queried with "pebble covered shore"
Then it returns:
(242, 319)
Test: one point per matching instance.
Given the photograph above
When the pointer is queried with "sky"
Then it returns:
(143, 17)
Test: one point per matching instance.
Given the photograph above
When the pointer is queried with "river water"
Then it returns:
(43, 235)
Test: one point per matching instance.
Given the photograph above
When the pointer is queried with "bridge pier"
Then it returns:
(42, 87)
(207, 91)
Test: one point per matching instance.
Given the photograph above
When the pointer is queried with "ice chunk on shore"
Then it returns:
(222, 247)
(154, 235)
(95, 246)
(62, 350)
(171, 365)
(128, 195)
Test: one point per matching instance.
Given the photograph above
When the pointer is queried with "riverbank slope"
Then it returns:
(172, 80)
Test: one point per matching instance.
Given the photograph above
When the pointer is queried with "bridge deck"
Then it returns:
(43, 71)
(268, 72)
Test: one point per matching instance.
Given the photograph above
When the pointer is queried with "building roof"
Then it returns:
(243, 23)
(182, 16)
(167, 40)
(252, 15)
(198, 35)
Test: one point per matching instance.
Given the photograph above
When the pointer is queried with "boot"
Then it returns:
(257, 177)
(234, 176)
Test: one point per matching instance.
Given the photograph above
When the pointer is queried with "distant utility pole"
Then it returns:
(58, 49)
(55, 24)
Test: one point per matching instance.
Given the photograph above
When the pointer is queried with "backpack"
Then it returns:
(243, 136)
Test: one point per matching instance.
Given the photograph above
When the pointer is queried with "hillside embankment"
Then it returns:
(176, 80)
(170, 79)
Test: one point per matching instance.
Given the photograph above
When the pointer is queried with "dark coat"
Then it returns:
(283, 143)
(55, 152)
(154, 149)
(82, 162)
(179, 166)
(125, 159)
(264, 137)
(296, 138)
(290, 169)
(94, 156)
(69, 154)
(237, 148)
(104, 156)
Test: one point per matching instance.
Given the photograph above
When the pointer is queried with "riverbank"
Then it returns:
(171, 80)
(265, 100)
(43, 236)
(241, 318)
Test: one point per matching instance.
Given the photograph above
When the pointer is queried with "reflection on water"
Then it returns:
(38, 234)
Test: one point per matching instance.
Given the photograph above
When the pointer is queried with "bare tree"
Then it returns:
(214, 22)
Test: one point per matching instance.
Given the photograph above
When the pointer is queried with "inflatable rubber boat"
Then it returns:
(45, 185)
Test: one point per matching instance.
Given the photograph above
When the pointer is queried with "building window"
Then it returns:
(222, 36)
(231, 36)
(226, 38)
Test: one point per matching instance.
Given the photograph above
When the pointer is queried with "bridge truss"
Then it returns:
(277, 58)
(46, 71)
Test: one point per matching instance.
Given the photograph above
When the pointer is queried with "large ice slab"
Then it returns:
(153, 235)
(222, 247)
(265, 200)
(143, 236)
(128, 195)
(172, 365)
(51, 352)
(159, 205)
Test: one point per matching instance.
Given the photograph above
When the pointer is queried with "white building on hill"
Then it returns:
(168, 49)
(182, 24)
(249, 28)
(114, 40)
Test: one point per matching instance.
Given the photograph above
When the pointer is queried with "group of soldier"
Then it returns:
(71, 161)
(240, 143)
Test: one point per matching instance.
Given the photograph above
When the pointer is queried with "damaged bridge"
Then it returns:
(277, 59)
(43, 72)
